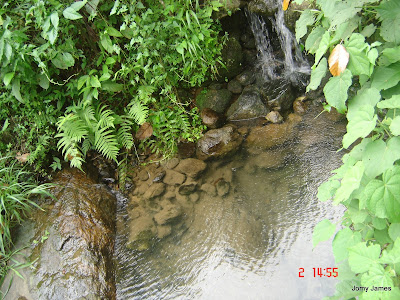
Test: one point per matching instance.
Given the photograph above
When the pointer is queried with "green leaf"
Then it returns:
(392, 256)
(389, 14)
(77, 5)
(314, 38)
(323, 231)
(15, 90)
(343, 240)
(368, 30)
(44, 81)
(307, 18)
(323, 47)
(379, 223)
(71, 14)
(94, 81)
(317, 74)
(358, 62)
(113, 32)
(180, 49)
(393, 102)
(362, 258)
(63, 60)
(365, 96)
(8, 77)
(394, 231)
(327, 190)
(395, 126)
(380, 156)
(350, 182)
(111, 86)
(377, 277)
(335, 90)
(386, 77)
(54, 19)
(361, 124)
(52, 35)
(110, 60)
(106, 42)
(389, 190)
(390, 56)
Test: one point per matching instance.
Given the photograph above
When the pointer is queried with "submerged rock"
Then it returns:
(223, 187)
(174, 178)
(218, 142)
(75, 261)
(142, 231)
(191, 167)
(169, 213)
(249, 105)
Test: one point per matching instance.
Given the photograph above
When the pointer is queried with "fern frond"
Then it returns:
(138, 111)
(104, 117)
(124, 134)
(106, 143)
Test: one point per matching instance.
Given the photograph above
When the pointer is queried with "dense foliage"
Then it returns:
(96, 70)
(367, 247)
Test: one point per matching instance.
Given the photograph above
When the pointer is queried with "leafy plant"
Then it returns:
(367, 247)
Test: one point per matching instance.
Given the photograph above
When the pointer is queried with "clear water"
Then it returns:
(250, 244)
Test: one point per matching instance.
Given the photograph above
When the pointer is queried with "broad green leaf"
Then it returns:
(44, 81)
(378, 277)
(368, 30)
(335, 90)
(362, 258)
(323, 47)
(357, 48)
(323, 231)
(106, 42)
(339, 12)
(54, 19)
(8, 77)
(63, 60)
(391, 184)
(380, 156)
(314, 38)
(307, 18)
(327, 189)
(374, 193)
(379, 223)
(52, 35)
(350, 182)
(94, 81)
(395, 126)
(394, 231)
(393, 102)
(344, 289)
(344, 239)
(361, 124)
(389, 14)
(113, 32)
(317, 74)
(365, 96)
(386, 77)
(71, 14)
(356, 215)
(16, 90)
(180, 49)
(390, 56)
(392, 256)
(112, 86)
(77, 5)
(82, 80)
(344, 30)
(382, 236)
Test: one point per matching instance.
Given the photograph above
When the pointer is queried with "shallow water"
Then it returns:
(250, 244)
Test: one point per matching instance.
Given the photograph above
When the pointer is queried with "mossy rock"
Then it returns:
(232, 57)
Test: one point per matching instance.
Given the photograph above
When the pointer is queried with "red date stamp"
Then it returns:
(321, 272)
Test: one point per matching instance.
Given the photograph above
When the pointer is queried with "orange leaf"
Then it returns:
(285, 4)
(22, 158)
(145, 131)
(338, 60)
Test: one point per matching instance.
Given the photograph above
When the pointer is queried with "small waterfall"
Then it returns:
(294, 65)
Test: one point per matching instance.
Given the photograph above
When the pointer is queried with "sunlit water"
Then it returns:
(251, 244)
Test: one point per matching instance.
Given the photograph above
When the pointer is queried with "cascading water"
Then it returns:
(294, 65)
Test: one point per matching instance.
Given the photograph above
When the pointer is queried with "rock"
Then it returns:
(278, 94)
(194, 197)
(269, 159)
(186, 149)
(223, 187)
(191, 167)
(163, 231)
(169, 213)
(232, 59)
(141, 233)
(215, 86)
(299, 106)
(217, 100)
(209, 189)
(75, 260)
(143, 175)
(249, 105)
(262, 7)
(174, 178)
(246, 78)
(234, 86)
(154, 190)
(187, 188)
(141, 188)
(274, 117)
(269, 136)
(292, 14)
(159, 176)
(209, 117)
(170, 163)
(218, 142)
(227, 6)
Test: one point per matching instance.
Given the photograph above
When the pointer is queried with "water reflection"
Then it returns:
(250, 244)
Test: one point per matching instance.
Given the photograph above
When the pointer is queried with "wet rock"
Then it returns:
(186, 149)
(269, 159)
(141, 233)
(261, 7)
(174, 178)
(191, 167)
(299, 106)
(170, 163)
(209, 189)
(234, 86)
(154, 190)
(187, 188)
(141, 188)
(215, 86)
(223, 187)
(159, 176)
(163, 231)
(274, 117)
(278, 94)
(269, 136)
(218, 142)
(194, 197)
(232, 58)
(246, 78)
(144, 175)
(169, 213)
(227, 6)
(75, 262)
(209, 117)
(217, 100)
(249, 105)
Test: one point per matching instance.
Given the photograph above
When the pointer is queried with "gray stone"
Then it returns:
(191, 167)
(232, 57)
(209, 118)
(169, 213)
(217, 100)
(154, 190)
(278, 94)
(143, 175)
(246, 78)
(174, 178)
(262, 7)
(234, 86)
(248, 106)
(274, 117)
(170, 163)
(218, 142)
(141, 233)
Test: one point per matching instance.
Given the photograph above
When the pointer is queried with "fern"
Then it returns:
(124, 134)
(106, 143)
(138, 111)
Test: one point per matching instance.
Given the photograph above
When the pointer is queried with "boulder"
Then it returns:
(249, 105)
(75, 261)
(154, 190)
(217, 100)
(246, 77)
(174, 178)
(209, 188)
(262, 7)
(170, 163)
(274, 117)
(169, 213)
(187, 188)
(234, 86)
(278, 94)
(142, 231)
(218, 142)
(191, 167)
(232, 57)
(228, 6)
(209, 118)
(269, 136)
